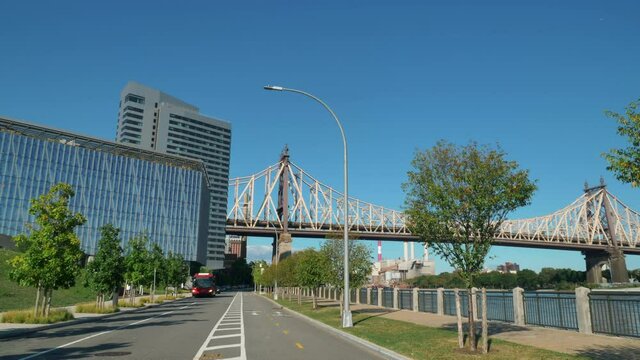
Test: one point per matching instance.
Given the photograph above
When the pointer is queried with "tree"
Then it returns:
(51, 254)
(257, 268)
(106, 272)
(528, 279)
(457, 198)
(359, 262)
(137, 263)
(176, 271)
(310, 269)
(157, 267)
(625, 163)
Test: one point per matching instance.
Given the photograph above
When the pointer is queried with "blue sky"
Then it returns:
(534, 77)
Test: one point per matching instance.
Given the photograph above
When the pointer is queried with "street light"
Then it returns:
(346, 314)
(275, 293)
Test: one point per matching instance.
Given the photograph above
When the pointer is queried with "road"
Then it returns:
(231, 325)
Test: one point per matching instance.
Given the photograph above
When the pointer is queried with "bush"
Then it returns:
(26, 317)
(92, 309)
(126, 303)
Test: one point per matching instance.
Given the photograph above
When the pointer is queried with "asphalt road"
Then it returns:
(231, 325)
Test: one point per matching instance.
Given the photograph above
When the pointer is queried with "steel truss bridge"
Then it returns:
(283, 198)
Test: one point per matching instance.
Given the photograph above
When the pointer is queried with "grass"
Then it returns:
(127, 303)
(415, 341)
(92, 309)
(26, 317)
(16, 297)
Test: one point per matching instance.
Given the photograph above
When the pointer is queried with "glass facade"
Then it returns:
(139, 192)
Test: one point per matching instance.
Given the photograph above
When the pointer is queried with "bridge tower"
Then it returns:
(282, 242)
(613, 255)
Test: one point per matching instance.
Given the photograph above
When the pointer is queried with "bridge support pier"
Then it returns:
(282, 248)
(614, 258)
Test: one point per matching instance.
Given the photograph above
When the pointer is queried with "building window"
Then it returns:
(134, 98)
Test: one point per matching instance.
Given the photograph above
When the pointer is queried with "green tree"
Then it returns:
(51, 254)
(106, 272)
(457, 198)
(310, 270)
(257, 268)
(157, 268)
(625, 163)
(359, 262)
(176, 271)
(527, 279)
(137, 263)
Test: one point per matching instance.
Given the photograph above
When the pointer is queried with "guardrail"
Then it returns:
(405, 299)
(553, 309)
(499, 305)
(615, 312)
(428, 301)
(387, 297)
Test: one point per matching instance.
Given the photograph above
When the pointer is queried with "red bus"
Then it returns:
(203, 285)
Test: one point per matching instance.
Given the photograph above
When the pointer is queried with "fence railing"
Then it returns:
(499, 305)
(363, 296)
(405, 299)
(615, 312)
(554, 309)
(606, 312)
(387, 297)
(428, 301)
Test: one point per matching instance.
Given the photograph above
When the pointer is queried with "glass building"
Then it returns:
(136, 190)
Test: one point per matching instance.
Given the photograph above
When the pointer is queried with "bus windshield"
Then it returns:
(203, 283)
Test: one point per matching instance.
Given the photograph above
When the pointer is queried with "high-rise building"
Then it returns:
(152, 120)
(138, 191)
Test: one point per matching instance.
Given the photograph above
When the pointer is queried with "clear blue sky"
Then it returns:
(534, 77)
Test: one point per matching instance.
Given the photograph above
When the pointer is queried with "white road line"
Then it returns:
(225, 317)
(101, 333)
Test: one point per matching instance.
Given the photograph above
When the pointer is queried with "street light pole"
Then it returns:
(275, 293)
(346, 314)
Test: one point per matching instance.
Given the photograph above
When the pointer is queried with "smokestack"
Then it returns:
(426, 252)
(379, 250)
(413, 251)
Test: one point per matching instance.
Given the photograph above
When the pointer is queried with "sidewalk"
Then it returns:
(8, 330)
(564, 341)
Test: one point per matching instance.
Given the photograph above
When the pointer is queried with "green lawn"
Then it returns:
(418, 342)
(16, 297)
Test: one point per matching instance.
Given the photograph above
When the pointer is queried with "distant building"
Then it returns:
(236, 248)
(389, 272)
(152, 120)
(508, 268)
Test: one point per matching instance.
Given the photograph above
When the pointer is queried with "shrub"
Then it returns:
(26, 317)
(92, 309)
(126, 303)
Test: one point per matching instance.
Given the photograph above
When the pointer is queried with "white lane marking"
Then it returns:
(227, 314)
(101, 333)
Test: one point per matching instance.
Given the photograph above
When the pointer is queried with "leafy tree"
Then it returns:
(176, 271)
(257, 268)
(310, 269)
(527, 279)
(157, 267)
(457, 198)
(106, 272)
(359, 262)
(51, 254)
(137, 263)
(625, 163)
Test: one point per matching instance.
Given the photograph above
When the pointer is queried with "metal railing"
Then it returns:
(499, 305)
(553, 309)
(387, 297)
(374, 296)
(363, 296)
(428, 301)
(615, 312)
(450, 302)
(405, 299)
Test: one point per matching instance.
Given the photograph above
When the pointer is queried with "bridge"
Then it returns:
(284, 201)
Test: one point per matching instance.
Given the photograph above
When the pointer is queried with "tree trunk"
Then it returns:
(48, 307)
(290, 293)
(115, 298)
(35, 309)
(299, 296)
(459, 316)
(472, 323)
(313, 299)
(485, 323)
